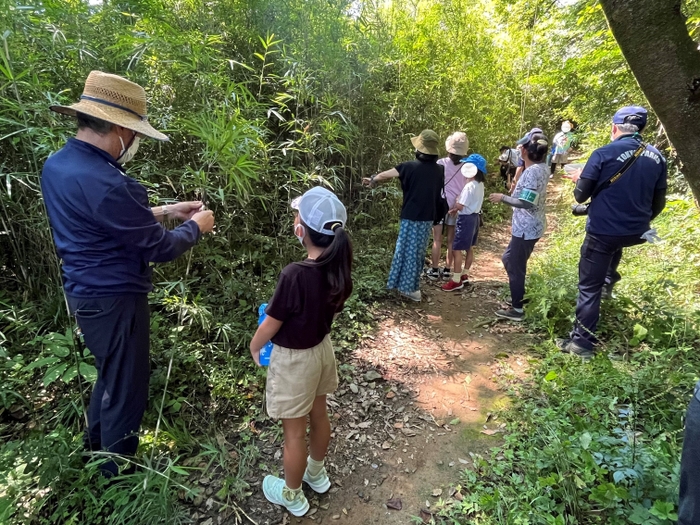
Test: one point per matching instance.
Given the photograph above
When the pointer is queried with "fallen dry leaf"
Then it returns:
(372, 375)
(395, 504)
(437, 492)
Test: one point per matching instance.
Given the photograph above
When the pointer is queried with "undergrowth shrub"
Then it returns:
(599, 442)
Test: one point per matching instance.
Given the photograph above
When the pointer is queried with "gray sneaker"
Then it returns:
(511, 314)
(567, 346)
(413, 296)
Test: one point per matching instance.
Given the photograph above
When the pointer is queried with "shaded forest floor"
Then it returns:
(417, 397)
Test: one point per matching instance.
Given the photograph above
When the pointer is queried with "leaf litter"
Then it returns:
(376, 416)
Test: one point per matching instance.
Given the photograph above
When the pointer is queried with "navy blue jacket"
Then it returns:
(626, 206)
(103, 227)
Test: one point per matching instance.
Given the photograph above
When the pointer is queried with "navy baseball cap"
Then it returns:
(526, 137)
(636, 115)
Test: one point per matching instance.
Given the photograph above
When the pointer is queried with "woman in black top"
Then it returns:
(421, 182)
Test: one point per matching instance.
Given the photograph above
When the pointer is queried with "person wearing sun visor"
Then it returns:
(529, 220)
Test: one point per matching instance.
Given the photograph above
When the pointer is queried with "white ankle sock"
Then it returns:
(456, 277)
(290, 494)
(314, 467)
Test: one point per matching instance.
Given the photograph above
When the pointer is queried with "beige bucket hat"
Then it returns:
(427, 142)
(457, 143)
(116, 100)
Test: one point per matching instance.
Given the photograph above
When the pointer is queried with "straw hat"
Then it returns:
(427, 142)
(457, 143)
(116, 100)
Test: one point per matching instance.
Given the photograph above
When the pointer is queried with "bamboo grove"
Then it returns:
(262, 99)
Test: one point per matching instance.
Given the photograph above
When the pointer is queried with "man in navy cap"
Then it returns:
(626, 181)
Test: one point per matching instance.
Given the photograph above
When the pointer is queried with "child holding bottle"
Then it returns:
(308, 297)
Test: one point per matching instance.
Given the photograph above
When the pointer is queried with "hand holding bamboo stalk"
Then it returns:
(205, 220)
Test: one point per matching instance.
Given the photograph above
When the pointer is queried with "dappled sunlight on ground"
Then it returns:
(416, 398)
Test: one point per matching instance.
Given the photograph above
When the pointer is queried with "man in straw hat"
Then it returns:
(106, 234)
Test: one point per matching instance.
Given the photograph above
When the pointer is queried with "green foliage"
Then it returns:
(599, 442)
(263, 100)
(59, 362)
(44, 476)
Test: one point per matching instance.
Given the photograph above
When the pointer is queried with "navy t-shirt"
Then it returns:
(421, 182)
(103, 227)
(624, 208)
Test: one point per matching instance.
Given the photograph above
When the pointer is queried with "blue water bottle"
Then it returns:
(266, 350)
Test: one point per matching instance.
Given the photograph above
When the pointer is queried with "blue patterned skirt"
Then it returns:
(409, 255)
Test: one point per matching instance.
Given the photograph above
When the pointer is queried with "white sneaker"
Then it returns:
(277, 492)
(319, 483)
(413, 296)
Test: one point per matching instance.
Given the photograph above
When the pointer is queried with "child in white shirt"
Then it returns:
(467, 209)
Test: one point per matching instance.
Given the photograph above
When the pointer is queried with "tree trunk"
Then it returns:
(665, 61)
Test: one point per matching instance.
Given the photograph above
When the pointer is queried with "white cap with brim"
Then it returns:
(457, 143)
(321, 210)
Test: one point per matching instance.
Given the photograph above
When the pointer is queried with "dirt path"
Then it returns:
(416, 398)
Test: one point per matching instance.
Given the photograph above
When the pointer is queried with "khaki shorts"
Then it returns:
(296, 377)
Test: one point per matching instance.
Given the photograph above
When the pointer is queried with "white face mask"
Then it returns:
(125, 155)
(303, 233)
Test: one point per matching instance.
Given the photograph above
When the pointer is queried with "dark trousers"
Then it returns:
(115, 330)
(689, 497)
(515, 262)
(505, 171)
(600, 257)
